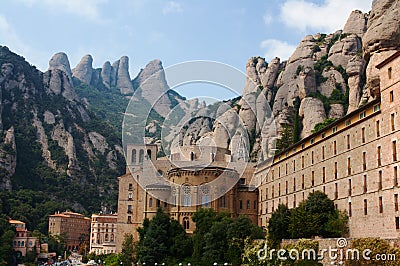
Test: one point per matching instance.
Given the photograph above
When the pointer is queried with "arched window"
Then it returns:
(141, 156)
(149, 154)
(151, 202)
(192, 156)
(133, 156)
(98, 238)
(112, 238)
(106, 238)
(205, 196)
(186, 223)
(186, 195)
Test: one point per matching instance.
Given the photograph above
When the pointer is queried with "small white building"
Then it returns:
(103, 233)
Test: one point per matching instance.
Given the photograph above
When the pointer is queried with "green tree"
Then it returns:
(180, 246)
(127, 253)
(57, 243)
(337, 225)
(302, 223)
(316, 216)
(286, 139)
(162, 240)
(7, 233)
(321, 208)
(240, 230)
(323, 124)
(220, 238)
(204, 219)
(278, 224)
(216, 243)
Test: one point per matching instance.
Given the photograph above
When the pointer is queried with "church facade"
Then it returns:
(191, 178)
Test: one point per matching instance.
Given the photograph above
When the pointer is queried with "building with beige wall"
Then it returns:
(23, 241)
(75, 226)
(103, 233)
(355, 161)
(191, 178)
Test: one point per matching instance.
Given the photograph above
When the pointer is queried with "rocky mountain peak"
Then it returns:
(381, 39)
(153, 85)
(83, 71)
(124, 83)
(356, 23)
(60, 61)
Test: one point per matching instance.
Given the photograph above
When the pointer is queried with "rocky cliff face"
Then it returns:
(327, 76)
(47, 132)
(153, 87)
(108, 77)
(380, 41)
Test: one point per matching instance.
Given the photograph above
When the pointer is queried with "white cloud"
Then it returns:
(327, 17)
(84, 8)
(172, 7)
(276, 48)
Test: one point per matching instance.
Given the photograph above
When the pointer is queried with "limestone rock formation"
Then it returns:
(344, 49)
(356, 23)
(381, 39)
(106, 76)
(49, 117)
(355, 70)
(114, 73)
(60, 61)
(98, 141)
(383, 28)
(57, 82)
(252, 78)
(312, 112)
(124, 83)
(153, 85)
(83, 71)
(333, 80)
(42, 138)
(268, 77)
(336, 111)
(8, 158)
(224, 127)
(306, 82)
(65, 141)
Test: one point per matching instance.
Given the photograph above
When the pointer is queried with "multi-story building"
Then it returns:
(355, 161)
(23, 241)
(192, 178)
(75, 226)
(103, 233)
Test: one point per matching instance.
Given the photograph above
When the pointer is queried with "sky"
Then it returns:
(174, 31)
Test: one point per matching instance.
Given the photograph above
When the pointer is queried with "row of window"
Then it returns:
(365, 183)
(141, 156)
(248, 205)
(107, 238)
(22, 243)
(365, 202)
(379, 159)
(380, 205)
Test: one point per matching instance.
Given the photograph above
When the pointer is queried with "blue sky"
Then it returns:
(173, 31)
